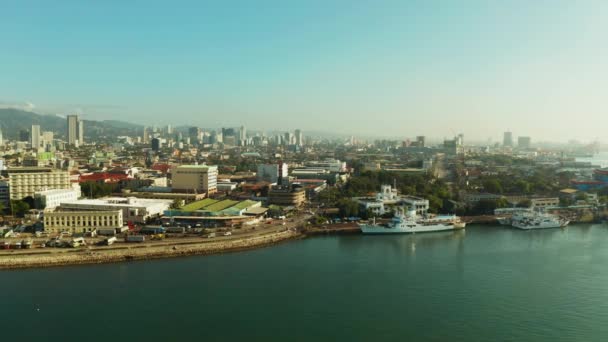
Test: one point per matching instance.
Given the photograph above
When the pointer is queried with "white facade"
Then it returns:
(50, 199)
(389, 197)
(82, 221)
(137, 210)
(35, 136)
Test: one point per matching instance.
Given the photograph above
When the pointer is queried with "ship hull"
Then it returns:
(371, 229)
(548, 226)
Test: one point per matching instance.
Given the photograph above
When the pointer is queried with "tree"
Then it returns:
(20, 208)
(493, 185)
(348, 207)
(526, 203)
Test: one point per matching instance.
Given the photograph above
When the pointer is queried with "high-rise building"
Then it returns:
(194, 134)
(155, 144)
(75, 131)
(524, 142)
(242, 136)
(24, 135)
(169, 129)
(146, 135)
(35, 136)
(1, 141)
(299, 138)
(507, 140)
(420, 141)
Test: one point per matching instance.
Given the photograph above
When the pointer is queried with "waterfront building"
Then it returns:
(137, 210)
(546, 202)
(51, 199)
(25, 181)
(388, 198)
(82, 221)
(195, 178)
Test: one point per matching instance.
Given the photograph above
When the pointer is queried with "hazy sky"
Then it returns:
(402, 67)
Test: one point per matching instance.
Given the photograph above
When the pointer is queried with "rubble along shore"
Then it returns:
(100, 256)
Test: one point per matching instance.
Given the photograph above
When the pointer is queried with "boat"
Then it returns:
(538, 220)
(410, 222)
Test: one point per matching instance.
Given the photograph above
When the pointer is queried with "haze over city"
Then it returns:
(376, 68)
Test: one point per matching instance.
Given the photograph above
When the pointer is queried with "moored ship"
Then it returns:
(538, 220)
(403, 223)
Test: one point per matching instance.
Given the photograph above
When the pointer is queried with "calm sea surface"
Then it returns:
(482, 284)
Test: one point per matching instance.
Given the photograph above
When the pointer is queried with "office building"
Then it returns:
(24, 135)
(299, 137)
(242, 136)
(26, 181)
(1, 141)
(82, 221)
(155, 144)
(75, 131)
(524, 142)
(272, 173)
(35, 136)
(195, 178)
(507, 140)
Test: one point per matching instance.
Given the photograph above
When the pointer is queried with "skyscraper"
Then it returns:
(75, 131)
(299, 138)
(35, 136)
(1, 136)
(242, 135)
(507, 140)
(145, 135)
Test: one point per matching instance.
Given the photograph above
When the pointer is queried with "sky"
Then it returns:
(394, 68)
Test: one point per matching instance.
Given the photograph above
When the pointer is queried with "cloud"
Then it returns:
(27, 106)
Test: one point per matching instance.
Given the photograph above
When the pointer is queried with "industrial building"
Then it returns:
(50, 199)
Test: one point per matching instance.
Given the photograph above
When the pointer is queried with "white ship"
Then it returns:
(538, 220)
(403, 223)
(505, 216)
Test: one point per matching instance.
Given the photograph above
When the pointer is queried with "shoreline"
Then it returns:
(104, 256)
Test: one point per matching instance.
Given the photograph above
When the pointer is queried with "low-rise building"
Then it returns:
(136, 210)
(82, 221)
(546, 202)
(286, 196)
(50, 199)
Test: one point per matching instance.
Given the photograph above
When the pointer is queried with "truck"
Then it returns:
(135, 238)
(109, 241)
(77, 242)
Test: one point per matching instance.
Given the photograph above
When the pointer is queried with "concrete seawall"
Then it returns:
(100, 256)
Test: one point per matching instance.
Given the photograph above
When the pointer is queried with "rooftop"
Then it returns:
(199, 204)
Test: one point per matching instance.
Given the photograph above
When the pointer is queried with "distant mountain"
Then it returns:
(12, 121)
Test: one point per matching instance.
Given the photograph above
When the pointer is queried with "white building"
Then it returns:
(35, 137)
(50, 199)
(195, 178)
(82, 221)
(136, 210)
(388, 197)
(272, 172)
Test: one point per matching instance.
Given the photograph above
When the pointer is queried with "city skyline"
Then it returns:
(435, 69)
